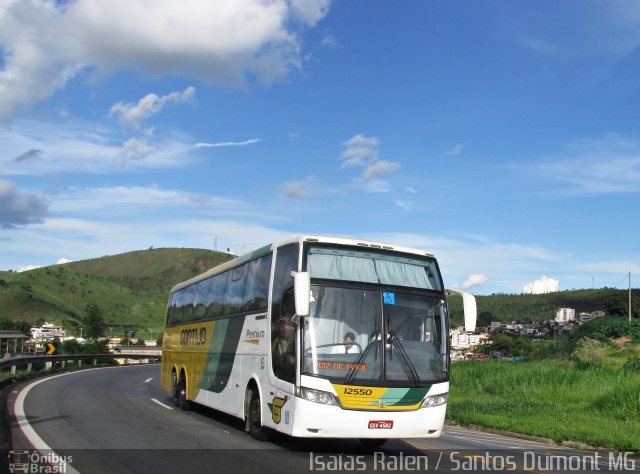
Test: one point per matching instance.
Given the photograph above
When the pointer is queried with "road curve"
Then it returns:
(118, 420)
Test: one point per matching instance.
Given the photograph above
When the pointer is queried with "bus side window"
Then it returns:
(173, 313)
(215, 297)
(200, 300)
(179, 306)
(234, 290)
(257, 287)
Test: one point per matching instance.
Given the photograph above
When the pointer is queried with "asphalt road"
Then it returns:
(118, 420)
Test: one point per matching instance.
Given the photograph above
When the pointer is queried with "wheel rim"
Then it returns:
(182, 391)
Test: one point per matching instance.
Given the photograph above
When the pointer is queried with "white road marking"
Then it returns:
(34, 439)
(148, 380)
(163, 405)
(23, 422)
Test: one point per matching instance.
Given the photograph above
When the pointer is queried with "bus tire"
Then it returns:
(174, 388)
(254, 417)
(181, 396)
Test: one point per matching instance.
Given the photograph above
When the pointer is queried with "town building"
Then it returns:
(565, 315)
(460, 339)
(47, 333)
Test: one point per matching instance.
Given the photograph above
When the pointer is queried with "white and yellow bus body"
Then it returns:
(275, 356)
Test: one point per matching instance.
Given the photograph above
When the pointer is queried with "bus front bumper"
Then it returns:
(329, 421)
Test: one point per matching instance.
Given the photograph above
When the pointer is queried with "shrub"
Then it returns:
(589, 353)
(633, 365)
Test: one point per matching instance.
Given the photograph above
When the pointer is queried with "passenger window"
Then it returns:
(215, 298)
(234, 291)
(257, 287)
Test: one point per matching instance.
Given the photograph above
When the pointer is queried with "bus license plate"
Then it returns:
(380, 424)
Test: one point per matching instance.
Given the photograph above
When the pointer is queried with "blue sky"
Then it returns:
(503, 136)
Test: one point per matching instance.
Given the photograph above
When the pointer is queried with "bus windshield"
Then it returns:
(377, 336)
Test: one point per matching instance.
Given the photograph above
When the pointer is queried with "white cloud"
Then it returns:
(149, 105)
(456, 149)
(27, 268)
(330, 42)
(226, 144)
(373, 186)
(48, 43)
(378, 168)
(90, 239)
(359, 150)
(134, 149)
(607, 165)
(403, 204)
(603, 29)
(310, 12)
(362, 152)
(475, 280)
(541, 285)
(137, 200)
(86, 147)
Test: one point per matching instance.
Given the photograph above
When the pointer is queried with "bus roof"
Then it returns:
(301, 238)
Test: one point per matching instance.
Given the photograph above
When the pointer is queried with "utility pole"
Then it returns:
(629, 297)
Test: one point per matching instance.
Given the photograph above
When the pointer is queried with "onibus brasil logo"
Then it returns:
(32, 461)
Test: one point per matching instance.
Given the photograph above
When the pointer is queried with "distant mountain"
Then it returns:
(131, 289)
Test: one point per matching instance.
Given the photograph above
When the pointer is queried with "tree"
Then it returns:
(617, 304)
(24, 327)
(93, 321)
(503, 343)
(485, 318)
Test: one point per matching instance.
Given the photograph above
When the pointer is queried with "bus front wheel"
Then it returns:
(254, 416)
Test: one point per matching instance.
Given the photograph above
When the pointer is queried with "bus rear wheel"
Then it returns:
(180, 397)
(254, 416)
(174, 388)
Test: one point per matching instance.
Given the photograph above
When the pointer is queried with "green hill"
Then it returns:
(131, 289)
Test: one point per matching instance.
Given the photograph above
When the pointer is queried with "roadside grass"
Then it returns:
(598, 406)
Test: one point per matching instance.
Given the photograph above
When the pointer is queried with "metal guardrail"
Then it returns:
(48, 360)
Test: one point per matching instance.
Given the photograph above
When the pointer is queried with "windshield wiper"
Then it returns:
(363, 355)
(405, 361)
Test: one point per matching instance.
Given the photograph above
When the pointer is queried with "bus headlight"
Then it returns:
(317, 396)
(435, 400)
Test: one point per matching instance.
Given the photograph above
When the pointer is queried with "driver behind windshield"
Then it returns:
(347, 346)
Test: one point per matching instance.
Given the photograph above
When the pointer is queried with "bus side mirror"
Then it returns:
(470, 312)
(469, 307)
(302, 292)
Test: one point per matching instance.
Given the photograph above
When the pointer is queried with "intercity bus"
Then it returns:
(316, 336)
